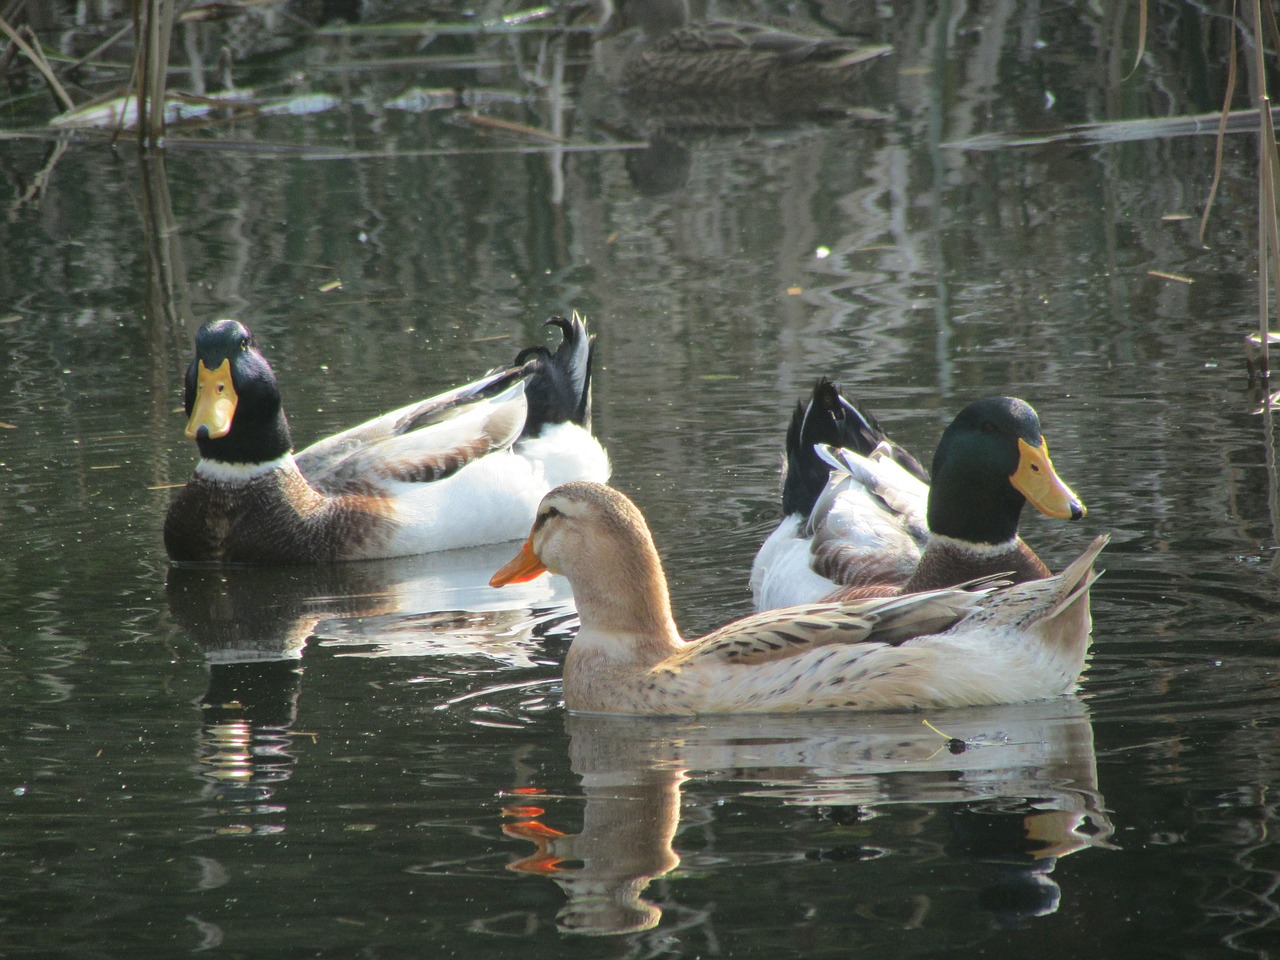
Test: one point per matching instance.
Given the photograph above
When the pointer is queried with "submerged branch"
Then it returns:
(1268, 231)
(259, 148)
(153, 25)
(527, 21)
(1118, 131)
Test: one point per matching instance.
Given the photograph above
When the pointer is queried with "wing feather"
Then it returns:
(317, 460)
(776, 635)
(425, 445)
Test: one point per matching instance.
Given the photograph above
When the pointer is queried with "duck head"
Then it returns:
(234, 411)
(991, 460)
(579, 526)
(597, 538)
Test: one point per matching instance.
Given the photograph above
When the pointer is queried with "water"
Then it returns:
(373, 760)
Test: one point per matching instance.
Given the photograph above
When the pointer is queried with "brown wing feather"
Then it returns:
(855, 567)
(426, 454)
(768, 636)
(778, 634)
(321, 456)
(422, 469)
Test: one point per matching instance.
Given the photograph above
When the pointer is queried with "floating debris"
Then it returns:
(423, 100)
(1179, 278)
(534, 20)
(300, 105)
(122, 112)
(1116, 131)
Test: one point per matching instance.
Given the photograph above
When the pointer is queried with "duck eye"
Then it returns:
(244, 343)
(552, 512)
(989, 427)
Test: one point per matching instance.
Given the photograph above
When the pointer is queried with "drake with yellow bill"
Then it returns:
(463, 468)
(941, 648)
(863, 520)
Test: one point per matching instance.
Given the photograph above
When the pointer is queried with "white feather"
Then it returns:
(495, 497)
(870, 504)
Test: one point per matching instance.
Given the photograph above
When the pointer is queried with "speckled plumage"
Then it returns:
(274, 517)
(953, 647)
(675, 56)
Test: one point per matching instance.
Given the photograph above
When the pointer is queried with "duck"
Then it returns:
(464, 468)
(981, 643)
(676, 56)
(861, 517)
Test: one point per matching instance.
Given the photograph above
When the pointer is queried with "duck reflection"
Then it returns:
(631, 816)
(254, 625)
(661, 69)
(665, 54)
(1012, 788)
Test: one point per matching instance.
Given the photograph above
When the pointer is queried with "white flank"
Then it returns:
(494, 498)
(781, 575)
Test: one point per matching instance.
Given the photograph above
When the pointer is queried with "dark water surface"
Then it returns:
(372, 760)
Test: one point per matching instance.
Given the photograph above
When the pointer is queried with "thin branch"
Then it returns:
(1142, 38)
(1222, 130)
(37, 59)
(1268, 229)
(100, 48)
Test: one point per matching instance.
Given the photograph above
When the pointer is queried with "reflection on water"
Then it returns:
(349, 728)
(665, 76)
(254, 625)
(247, 721)
(407, 604)
(444, 606)
(1017, 787)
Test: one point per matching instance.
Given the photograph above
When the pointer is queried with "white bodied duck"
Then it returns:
(942, 648)
(861, 518)
(463, 468)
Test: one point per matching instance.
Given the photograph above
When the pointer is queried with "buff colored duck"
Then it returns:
(464, 468)
(941, 648)
(861, 518)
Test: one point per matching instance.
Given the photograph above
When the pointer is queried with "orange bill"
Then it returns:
(1036, 480)
(542, 860)
(532, 830)
(521, 568)
(215, 404)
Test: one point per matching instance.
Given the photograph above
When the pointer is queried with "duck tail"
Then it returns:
(559, 384)
(1074, 582)
(828, 418)
(1053, 603)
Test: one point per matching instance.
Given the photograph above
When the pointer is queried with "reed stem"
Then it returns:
(1268, 163)
(153, 26)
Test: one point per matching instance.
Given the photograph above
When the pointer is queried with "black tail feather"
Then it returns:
(831, 419)
(558, 389)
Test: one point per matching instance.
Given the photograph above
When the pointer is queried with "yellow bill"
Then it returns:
(1036, 480)
(215, 404)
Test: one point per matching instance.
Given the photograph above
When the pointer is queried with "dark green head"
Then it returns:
(232, 399)
(990, 461)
